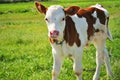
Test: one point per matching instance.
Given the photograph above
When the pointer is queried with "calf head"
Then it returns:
(55, 17)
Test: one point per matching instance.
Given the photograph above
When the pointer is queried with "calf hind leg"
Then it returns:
(107, 62)
(101, 57)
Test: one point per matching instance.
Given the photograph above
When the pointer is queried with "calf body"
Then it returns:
(71, 29)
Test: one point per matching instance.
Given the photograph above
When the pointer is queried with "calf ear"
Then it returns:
(40, 7)
(71, 10)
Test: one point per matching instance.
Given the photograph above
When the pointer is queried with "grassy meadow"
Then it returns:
(25, 52)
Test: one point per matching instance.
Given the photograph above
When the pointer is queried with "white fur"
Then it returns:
(81, 27)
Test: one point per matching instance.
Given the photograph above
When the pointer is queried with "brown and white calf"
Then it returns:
(71, 29)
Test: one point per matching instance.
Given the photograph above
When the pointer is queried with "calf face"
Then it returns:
(55, 19)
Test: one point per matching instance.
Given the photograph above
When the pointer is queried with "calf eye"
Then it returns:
(46, 19)
(63, 19)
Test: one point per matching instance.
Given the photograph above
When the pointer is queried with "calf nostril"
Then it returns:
(51, 33)
(56, 32)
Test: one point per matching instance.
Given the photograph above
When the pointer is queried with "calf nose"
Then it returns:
(54, 33)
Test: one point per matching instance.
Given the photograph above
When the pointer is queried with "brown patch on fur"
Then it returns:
(53, 73)
(70, 33)
(90, 19)
(78, 73)
(87, 13)
(70, 55)
(101, 16)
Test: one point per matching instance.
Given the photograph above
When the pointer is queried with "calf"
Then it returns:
(71, 29)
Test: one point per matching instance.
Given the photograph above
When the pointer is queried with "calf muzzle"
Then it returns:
(54, 34)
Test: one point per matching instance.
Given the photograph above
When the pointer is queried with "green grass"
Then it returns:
(25, 52)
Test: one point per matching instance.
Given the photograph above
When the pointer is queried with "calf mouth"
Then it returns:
(56, 41)
(53, 40)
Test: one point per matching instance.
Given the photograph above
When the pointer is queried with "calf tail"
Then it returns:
(109, 35)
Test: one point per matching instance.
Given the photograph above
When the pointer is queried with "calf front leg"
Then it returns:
(58, 60)
(77, 67)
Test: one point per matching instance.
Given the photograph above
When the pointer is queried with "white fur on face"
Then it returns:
(55, 19)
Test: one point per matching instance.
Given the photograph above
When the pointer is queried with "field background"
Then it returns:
(25, 52)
